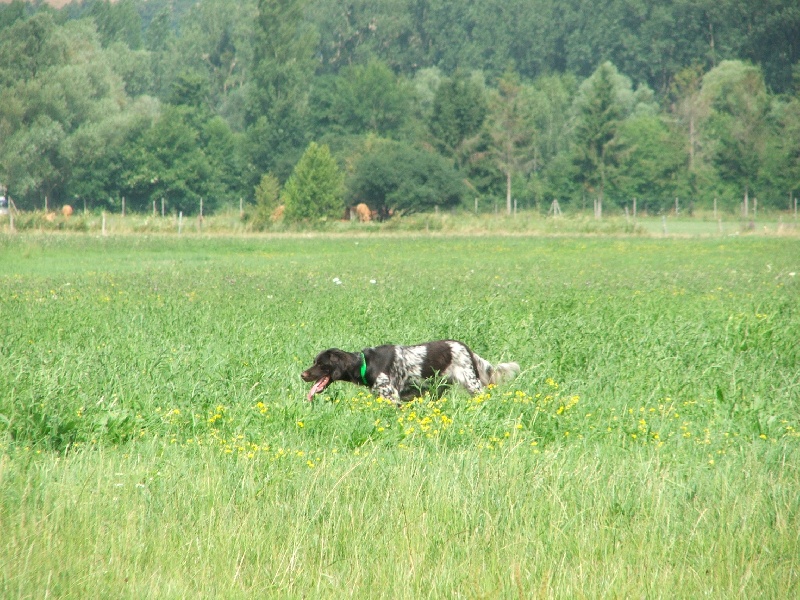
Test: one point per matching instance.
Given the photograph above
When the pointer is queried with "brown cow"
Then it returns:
(363, 213)
(277, 214)
(66, 210)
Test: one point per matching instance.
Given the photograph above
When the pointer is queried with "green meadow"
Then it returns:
(155, 439)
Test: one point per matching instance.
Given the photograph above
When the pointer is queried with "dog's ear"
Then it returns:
(336, 364)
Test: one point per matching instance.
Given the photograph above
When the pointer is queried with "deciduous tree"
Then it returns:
(510, 131)
(735, 131)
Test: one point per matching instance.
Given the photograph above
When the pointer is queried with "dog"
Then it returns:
(400, 373)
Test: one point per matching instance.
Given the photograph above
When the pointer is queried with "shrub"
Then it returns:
(399, 177)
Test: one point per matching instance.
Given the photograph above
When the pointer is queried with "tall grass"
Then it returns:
(155, 440)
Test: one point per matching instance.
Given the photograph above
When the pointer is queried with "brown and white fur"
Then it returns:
(401, 372)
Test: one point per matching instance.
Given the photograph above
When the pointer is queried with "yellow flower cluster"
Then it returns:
(489, 421)
(217, 415)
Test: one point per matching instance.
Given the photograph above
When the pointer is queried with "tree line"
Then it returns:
(401, 104)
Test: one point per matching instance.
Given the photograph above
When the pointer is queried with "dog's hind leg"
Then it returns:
(464, 368)
(383, 388)
(468, 379)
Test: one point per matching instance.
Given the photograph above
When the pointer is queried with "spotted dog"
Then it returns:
(401, 372)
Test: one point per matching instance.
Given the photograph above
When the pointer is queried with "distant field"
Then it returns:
(155, 440)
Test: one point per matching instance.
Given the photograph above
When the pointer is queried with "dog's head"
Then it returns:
(329, 366)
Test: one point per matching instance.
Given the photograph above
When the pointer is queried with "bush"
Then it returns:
(396, 177)
(267, 193)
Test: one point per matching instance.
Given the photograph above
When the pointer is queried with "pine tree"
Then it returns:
(316, 188)
(599, 116)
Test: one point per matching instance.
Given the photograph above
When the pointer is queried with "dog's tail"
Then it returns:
(494, 374)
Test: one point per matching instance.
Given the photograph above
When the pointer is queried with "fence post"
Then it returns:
(746, 204)
(11, 208)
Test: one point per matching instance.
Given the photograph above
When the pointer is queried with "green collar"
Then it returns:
(364, 369)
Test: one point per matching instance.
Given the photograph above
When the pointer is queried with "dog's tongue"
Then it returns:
(318, 387)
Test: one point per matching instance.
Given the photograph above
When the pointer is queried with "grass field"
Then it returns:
(155, 440)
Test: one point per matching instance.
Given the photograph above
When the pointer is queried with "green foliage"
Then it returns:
(223, 150)
(360, 100)
(166, 162)
(281, 76)
(599, 113)
(65, 87)
(650, 167)
(267, 194)
(28, 48)
(735, 128)
(781, 169)
(458, 112)
(502, 89)
(396, 178)
(117, 22)
(11, 12)
(315, 189)
(105, 156)
(216, 38)
(511, 132)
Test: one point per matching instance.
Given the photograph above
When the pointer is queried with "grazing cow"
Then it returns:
(363, 213)
(66, 210)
